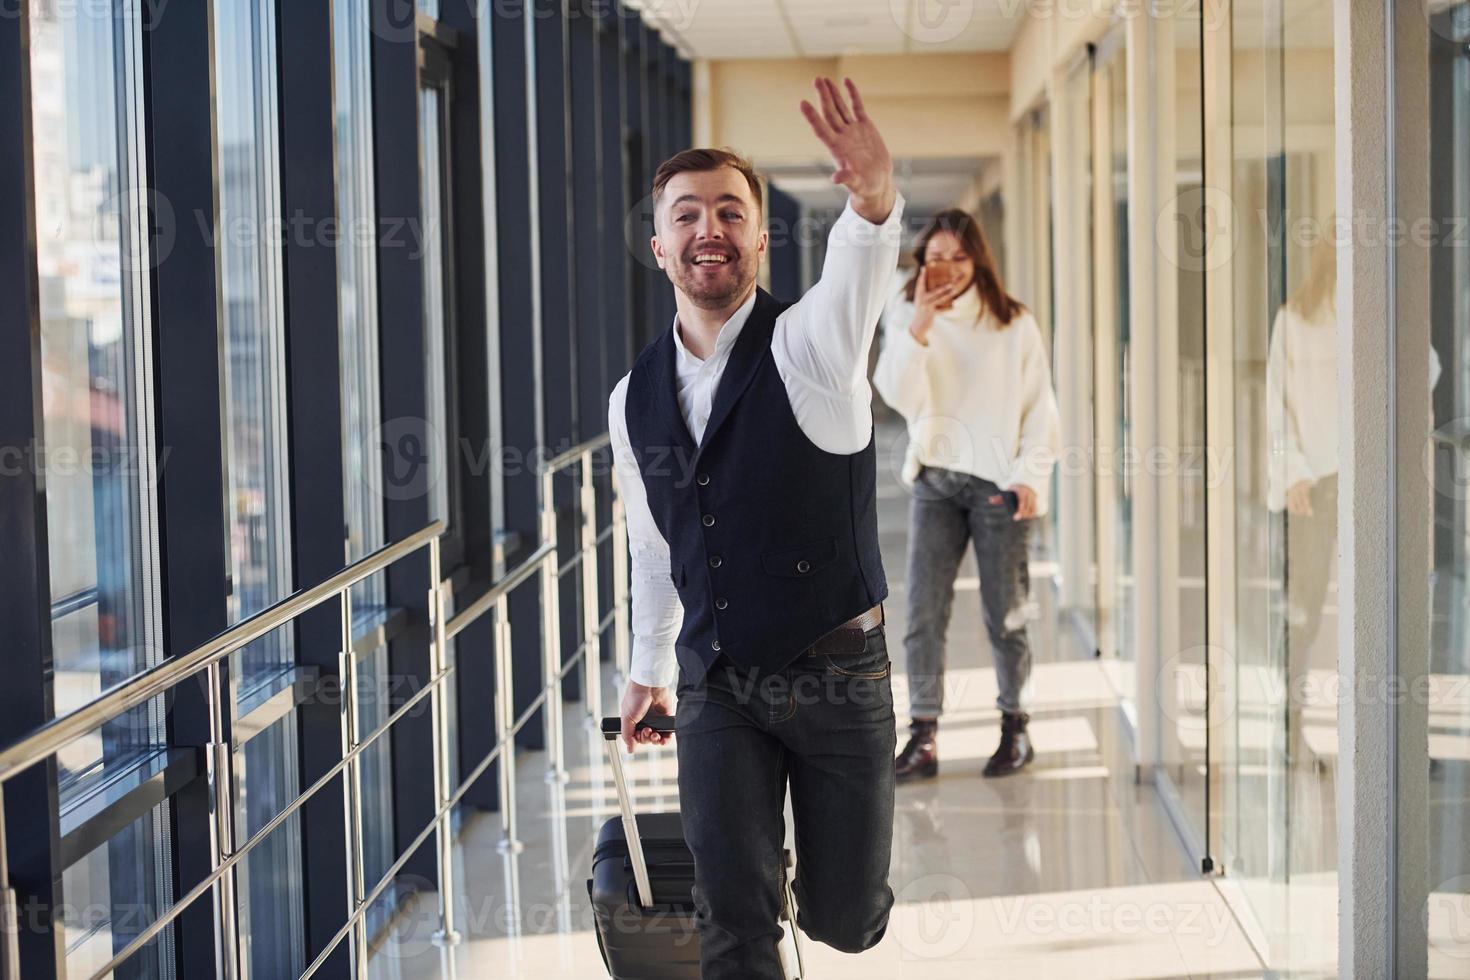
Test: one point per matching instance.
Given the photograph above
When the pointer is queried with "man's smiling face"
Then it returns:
(708, 236)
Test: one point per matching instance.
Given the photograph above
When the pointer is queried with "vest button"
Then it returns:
(709, 520)
(803, 566)
(702, 479)
(714, 561)
(721, 603)
(715, 645)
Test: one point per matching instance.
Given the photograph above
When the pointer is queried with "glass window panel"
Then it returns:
(254, 374)
(358, 296)
(96, 372)
(438, 387)
(269, 884)
(1278, 828)
(1113, 374)
(112, 895)
(1448, 918)
(374, 705)
(362, 413)
(1184, 737)
(269, 890)
(1075, 359)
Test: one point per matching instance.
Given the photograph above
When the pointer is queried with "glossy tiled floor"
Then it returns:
(1069, 870)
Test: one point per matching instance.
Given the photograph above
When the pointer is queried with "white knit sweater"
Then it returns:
(978, 399)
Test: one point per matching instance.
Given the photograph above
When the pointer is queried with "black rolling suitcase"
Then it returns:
(641, 888)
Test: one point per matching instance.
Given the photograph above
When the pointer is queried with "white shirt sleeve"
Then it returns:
(901, 375)
(821, 343)
(1041, 422)
(657, 614)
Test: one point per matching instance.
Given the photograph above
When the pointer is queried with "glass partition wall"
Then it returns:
(1238, 343)
(1072, 348)
(1274, 739)
(1112, 381)
(1183, 243)
(1447, 469)
(1243, 265)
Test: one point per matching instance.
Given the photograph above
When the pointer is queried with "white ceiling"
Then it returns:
(830, 28)
(927, 185)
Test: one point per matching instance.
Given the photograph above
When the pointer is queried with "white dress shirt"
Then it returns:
(820, 349)
(978, 399)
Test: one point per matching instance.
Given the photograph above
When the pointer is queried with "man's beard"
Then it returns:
(717, 293)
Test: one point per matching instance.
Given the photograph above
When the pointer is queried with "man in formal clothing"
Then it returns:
(743, 444)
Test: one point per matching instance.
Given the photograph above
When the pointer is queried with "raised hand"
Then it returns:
(858, 152)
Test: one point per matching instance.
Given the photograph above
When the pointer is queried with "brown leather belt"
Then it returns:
(850, 637)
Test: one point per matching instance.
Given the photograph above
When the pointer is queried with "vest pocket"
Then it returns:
(802, 560)
(676, 573)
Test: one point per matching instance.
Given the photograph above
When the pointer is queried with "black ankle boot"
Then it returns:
(1015, 750)
(920, 757)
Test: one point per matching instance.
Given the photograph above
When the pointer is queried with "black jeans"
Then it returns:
(824, 724)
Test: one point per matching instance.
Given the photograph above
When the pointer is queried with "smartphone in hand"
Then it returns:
(938, 274)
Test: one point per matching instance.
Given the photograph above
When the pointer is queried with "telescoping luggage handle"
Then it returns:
(611, 729)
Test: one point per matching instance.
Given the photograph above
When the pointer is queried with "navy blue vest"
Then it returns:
(773, 542)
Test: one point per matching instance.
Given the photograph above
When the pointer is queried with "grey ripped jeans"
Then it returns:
(948, 511)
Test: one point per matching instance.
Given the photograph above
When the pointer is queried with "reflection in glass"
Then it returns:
(95, 365)
(95, 350)
(437, 387)
(362, 412)
(108, 903)
(254, 376)
(269, 885)
(1278, 831)
(269, 890)
(358, 290)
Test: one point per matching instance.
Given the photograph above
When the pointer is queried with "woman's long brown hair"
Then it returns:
(963, 226)
(1319, 288)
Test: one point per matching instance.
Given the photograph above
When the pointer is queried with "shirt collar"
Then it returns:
(729, 331)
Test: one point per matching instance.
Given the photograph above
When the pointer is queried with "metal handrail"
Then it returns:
(528, 567)
(562, 460)
(56, 735)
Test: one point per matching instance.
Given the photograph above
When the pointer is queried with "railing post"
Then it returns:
(504, 719)
(591, 621)
(621, 625)
(352, 789)
(221, 830)
(551, 634)
(443, 829)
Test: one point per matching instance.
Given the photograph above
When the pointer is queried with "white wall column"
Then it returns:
(1383, 509)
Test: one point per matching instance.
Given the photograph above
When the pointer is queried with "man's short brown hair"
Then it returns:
(703, 160)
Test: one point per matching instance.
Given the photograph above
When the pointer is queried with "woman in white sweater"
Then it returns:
(965, 365)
